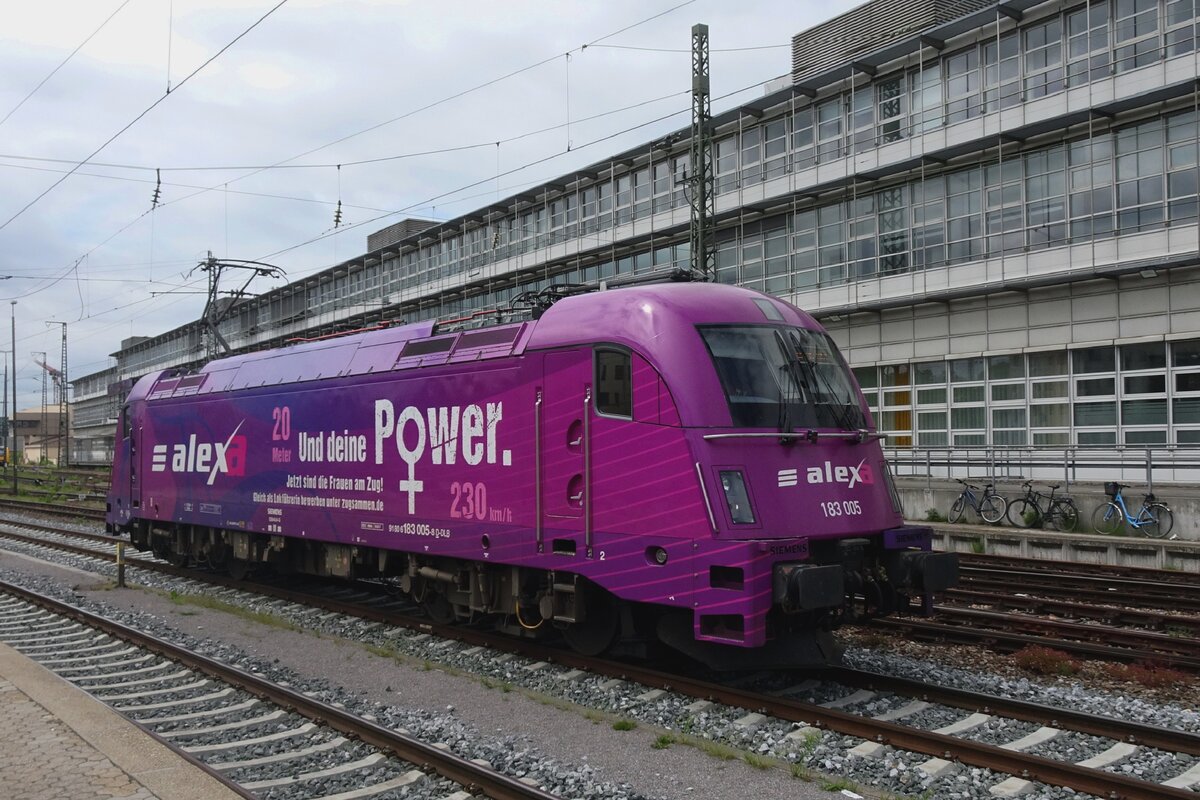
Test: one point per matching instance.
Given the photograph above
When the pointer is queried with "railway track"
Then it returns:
(1006, 632)
(947, 742)
(224, 718)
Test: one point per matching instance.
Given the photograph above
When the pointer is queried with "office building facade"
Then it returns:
(991, 206)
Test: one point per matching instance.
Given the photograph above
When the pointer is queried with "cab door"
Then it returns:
(563, 450)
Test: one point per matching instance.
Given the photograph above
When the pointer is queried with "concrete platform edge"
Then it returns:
(155, 766)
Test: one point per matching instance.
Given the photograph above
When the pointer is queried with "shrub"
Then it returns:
(1150, 675)
(933, 515)
(1046, 661)
(624, 725)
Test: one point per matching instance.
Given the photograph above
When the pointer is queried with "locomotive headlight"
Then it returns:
(736, 497)
(660, 556)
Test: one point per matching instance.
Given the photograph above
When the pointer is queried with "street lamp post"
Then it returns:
(12, 453)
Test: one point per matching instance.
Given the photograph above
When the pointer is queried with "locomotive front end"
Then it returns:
(808, 530)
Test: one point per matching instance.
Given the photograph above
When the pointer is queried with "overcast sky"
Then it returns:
(315, 84)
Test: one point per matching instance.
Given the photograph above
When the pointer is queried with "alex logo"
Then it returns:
(194, 456)
(828, 473)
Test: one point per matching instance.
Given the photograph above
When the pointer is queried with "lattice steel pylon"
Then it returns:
(703, 249)
(64, 421)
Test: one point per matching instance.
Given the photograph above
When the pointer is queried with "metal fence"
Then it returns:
(1134, 465)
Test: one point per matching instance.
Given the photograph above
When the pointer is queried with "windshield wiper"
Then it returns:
(839, 411)
(785, 397)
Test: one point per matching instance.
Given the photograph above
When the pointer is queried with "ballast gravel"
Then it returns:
(658, 773)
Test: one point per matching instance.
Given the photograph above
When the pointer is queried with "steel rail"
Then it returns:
(1182, 598)
(1185, 649)
(450, 766)
(972, 561)
(1008, 642)
(1056, 717)
(1031, 601)
(46, 508)
(1105, 784)
(1065, 578)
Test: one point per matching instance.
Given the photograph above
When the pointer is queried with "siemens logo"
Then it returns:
(851, 476)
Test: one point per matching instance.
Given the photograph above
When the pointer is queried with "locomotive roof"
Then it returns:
(657, 320)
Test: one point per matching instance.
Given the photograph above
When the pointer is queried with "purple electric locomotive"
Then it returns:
(687, 463)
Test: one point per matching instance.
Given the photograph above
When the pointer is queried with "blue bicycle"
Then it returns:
(1154, 519)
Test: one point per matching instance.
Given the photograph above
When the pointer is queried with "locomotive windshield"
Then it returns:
(784, 377)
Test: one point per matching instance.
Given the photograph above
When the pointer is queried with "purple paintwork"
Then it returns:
(436, 451)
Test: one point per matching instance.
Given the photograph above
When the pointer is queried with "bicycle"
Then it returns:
(989, 506)
(1060, 512)
(1154, 519)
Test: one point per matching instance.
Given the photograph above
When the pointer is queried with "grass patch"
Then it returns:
(801, 772)
(836, 785)
(663, 742)
(624, 725)
(933, 515)
(978, 547)
(213, 604)
(757, 761)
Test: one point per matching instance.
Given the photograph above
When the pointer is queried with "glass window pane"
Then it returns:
(897, 398)
(968, 394)
(1008, 391)
(1005, 367)
(1093, 359)
(1097, 437)
(1187, 409)
(1186, 354)
(970, 440)
(867, 377)
(966, 369)
(931, 421)
(1050, 439)
(1145, 384)
(1046, 389)
(930, 397)
(1144, 412)
(1050, 363)
(1094, 387)
(1053, 415)
(1152, 355)
(894, 375)
(930, 372)
(1008, 418)
(1095, 414)
(966, 418)
(1188, 437)
(1188, 382)
(1146, 437)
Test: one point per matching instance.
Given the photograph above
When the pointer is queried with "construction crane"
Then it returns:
(55, 377)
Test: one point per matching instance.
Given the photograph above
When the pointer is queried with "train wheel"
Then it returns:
(601, 620)
(437, 606)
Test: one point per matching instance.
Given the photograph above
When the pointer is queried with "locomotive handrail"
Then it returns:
(539, 533)
(587, 472)
(861, 435)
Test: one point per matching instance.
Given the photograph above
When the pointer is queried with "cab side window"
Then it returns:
(614, 383)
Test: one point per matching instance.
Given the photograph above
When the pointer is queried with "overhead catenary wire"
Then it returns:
(63, 63)
(55, 280)
(143, 113)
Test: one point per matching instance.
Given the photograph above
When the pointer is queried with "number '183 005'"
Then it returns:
(841, 508)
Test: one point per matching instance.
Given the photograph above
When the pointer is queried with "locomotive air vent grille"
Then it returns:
(424, 347)
(489, 337)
